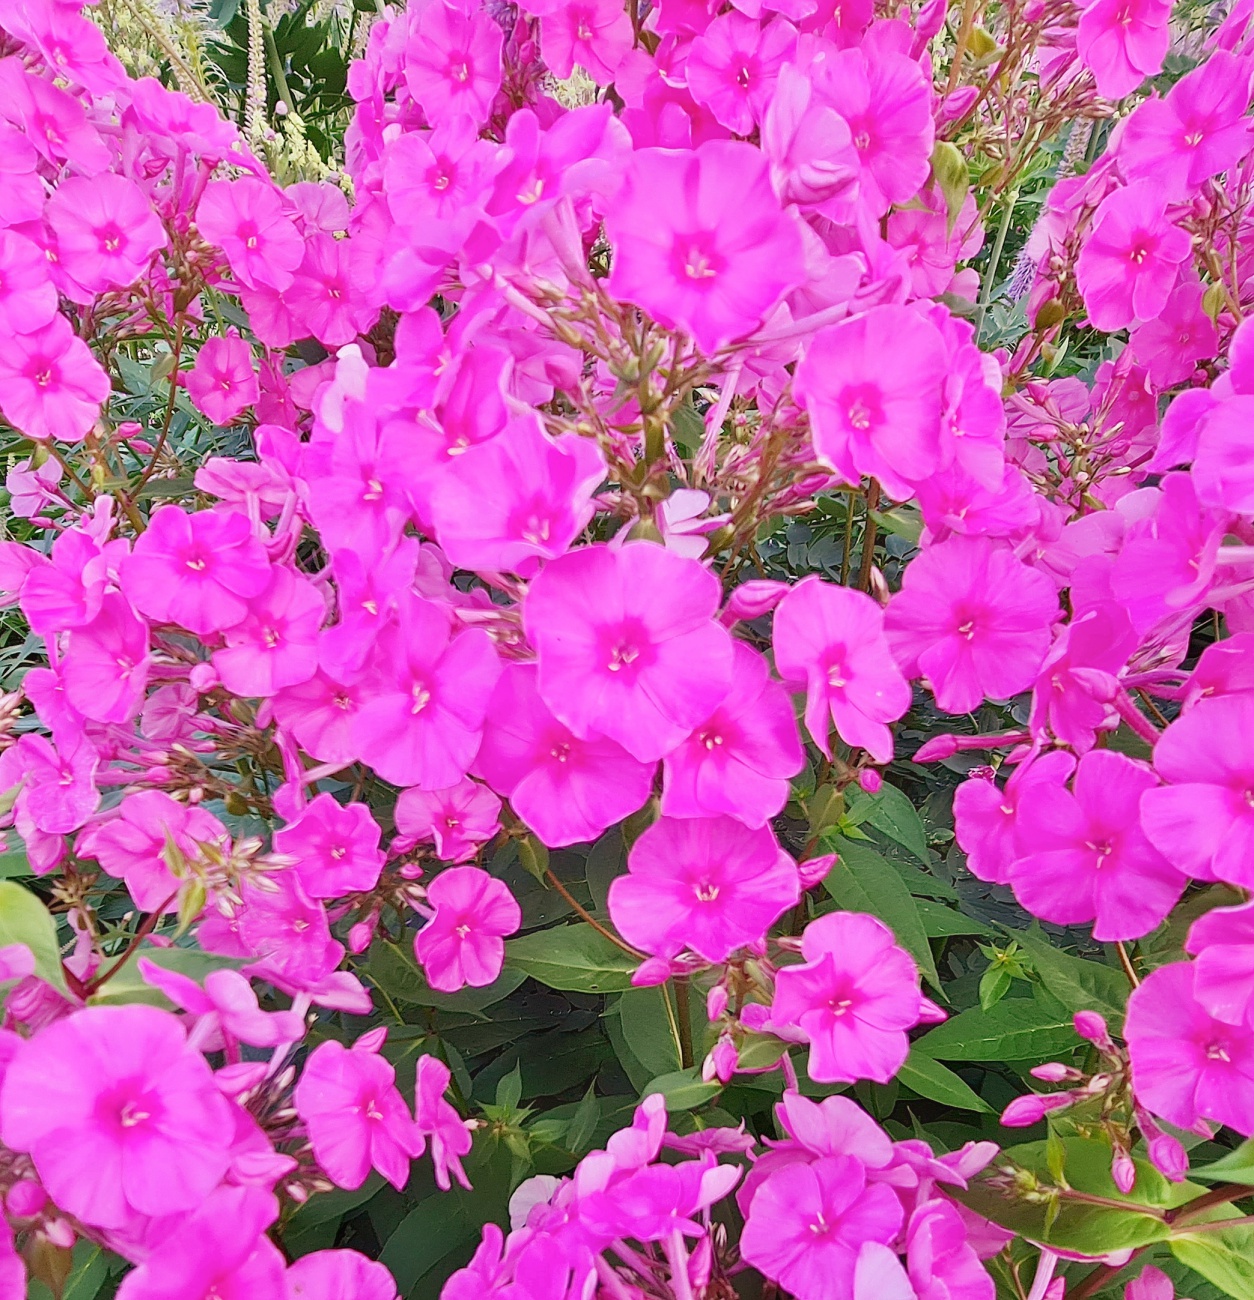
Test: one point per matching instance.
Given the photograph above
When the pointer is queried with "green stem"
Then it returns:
(684, 1016)
(994, 260)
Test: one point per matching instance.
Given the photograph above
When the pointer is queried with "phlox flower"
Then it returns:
(1083, 856)
(658, 1202)
(732, 67)
(105, 230)
(1186, 1064)
(1222, 471)
(51, 387)
(221, 1252)
(67, 590)
(739, 760)
(105, 669)
(321, 714)
(335, 847)
(31, 490)
(355, 1117)
(808, 1222)
(627, 645)
(852, 999)
(28, 298)
(120, 1116)
(225, 1008)
(1129, 262)
(973, 620)
(442, 173)
(427, 692)
(222, 383)
(1123, 42)
(368, 589)
(456, 820)
(1202, 819)
(246, 220)
(464, 942)
(709, 884)
(437, 1120)
(595, 34)
(276, 643)
(1181, 335)
(832, 638)
(700, 241)
(58, 782)
(520, 498)
(567, 790)
(808, 143)
(339, 1275)
(326, 296)
(873, 388)
(196, 570)
(1222, 941)
(452, 62)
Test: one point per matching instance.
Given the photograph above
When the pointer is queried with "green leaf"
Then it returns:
(889, 810)
(682, 1089)
(942, 922)
(1078, 984)
(863, 881)
(583, 1123)
(393, 969)
(994, 985)
(509, 1090)
(1236, 1167)
(1224, 1256)
(937, 1082)
(1016, 1029)
(606, 859)
(649, 1028)
(573, 958)
(24, 919)
(15, 865)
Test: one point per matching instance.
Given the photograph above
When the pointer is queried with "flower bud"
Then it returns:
(870, 780)
(25, 1199)
(1033, 1108)
(1123, 1172)
(716, 1002)
(1055, 1072)
(1089, 1025)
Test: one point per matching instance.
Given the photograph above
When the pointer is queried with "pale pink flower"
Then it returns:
(221, 382)
(51, 386)
(105, 230)
(335, 847)
(464, 942)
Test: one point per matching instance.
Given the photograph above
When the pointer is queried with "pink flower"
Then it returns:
(222, 382)
(356, 1119)
(428, 690)
(276, 643)
(566, 789)
(457, 820)
(1222, 940)
(709, 884)
(221, 1251)
(515, 500)
(808, 1222)
(808, 143)
(198, 570)
(1203, 818)
(464, 942)
(852, 1000)
(873, 388)
(1083, 856)
(700, 241)
(336, 847)
(595, 34)
(437, 1120)
(973, 620)
(326, 296)
(245, 218)
(1128, 265)
(832, 638)
(339, 1275)
(105, 230)
(627, 645)
(106, 667)
(120, 1116)
(1123, 42)
(225, 1008)
(58, 783)
(28, 298)
(738, 761)
(51, 387)
(733, 66)
(940, 1261)
(453, 63)
(1182, 334)
(1151, 1284)
(441, 173)
(1186, 1065)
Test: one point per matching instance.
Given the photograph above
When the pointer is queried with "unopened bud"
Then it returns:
(1089, 1025)
(1123, 1172)
(1055, 1072)
(1033, 1108)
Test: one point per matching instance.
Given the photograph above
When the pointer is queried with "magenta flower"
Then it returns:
(852, 1000)
(51, 387)
(226, 1008)
(1222, 940)
(739, 760)
(198, 570)
(453, 63)
(105, 230)
(106, 667)
(700, 241)
(566, 789)
(941, 1262)
(973, 620)
(457, 820)
(428, 690)
(808, 143)
(220, 1251)
(222, 382)
(28, 298)
(1084, 857)
(595, 34)
(518, 499)
(734, 64)
(873, 388)
(464, 942)
(627, 644)
(276, 643)
(1130, 260)
(808, 1222)
(355, 1117)
(1203, 818)
(832, 638)
(339, 1275)
(336, 847)
(1186, 1065)
(440, 173)
(120, 1116)
(325, 295)
(245, 218)
(1123, 42)
(437, 1120)
(709, 884)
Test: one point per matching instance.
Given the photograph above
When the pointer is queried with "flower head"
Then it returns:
(464, 942)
